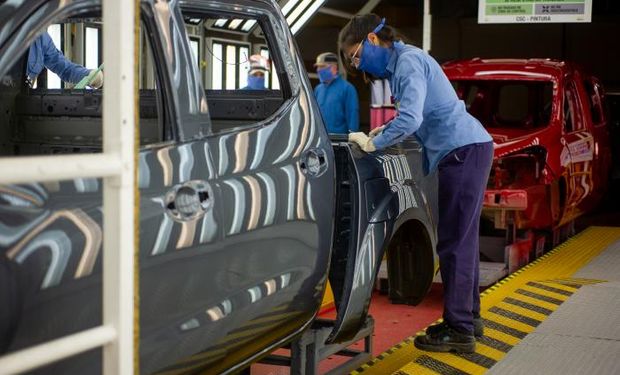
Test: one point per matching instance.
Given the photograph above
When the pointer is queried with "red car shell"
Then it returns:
(548, 121)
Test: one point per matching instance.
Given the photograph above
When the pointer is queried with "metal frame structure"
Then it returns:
(427, 26)
(116, 166)
(307, 352)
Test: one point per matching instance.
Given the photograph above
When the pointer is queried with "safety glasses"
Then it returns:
(355, 60)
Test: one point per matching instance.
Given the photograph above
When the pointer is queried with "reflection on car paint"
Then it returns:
(21, 196)
(187, 162)
(256, 201)
(163, 156)
(255, 293)
(367, 259)
(239, 209)
(397, 170)
(261, 143)
(186, 237)
(298, 203)
(144, 173)
(163, 235)
(270, 198)
(406, 196)
(241, 151)
(219, 312)
(38, 238)
(86, 185)
(59, 246)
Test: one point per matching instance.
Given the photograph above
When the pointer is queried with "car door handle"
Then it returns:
(189, 201)
(313, 162)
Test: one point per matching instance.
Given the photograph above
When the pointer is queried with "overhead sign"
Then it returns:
(534, 11)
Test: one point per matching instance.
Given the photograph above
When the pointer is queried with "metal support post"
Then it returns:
(119, 33)
(116, 165)
(427, 26)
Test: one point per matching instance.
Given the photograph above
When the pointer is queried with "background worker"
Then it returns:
(44, 54)
(337, 98)
(259, 66)
(455, 144)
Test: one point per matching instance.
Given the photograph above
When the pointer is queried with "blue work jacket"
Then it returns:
(427, 107)
(44, 54)
(339, 105)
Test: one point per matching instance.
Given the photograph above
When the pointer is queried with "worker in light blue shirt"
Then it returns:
(44, 54)
(337, 98)
(455, 145)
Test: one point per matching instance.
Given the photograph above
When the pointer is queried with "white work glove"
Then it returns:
(364, 141)
(374, 132)
(97, 80)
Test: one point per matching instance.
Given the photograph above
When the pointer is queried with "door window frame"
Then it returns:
(575, 109)
(165, 105)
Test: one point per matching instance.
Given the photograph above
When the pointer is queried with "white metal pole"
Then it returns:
(58, 167)
(427, 26)
(118, 195)
(51, 351)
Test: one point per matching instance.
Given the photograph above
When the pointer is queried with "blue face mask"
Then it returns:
(256, 82)
(375, 59)
(326, 75)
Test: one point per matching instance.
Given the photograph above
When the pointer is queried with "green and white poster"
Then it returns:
(534, 11)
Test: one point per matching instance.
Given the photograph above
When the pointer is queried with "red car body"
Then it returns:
(549, 123)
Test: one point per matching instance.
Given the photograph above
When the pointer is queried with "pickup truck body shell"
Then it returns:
(228, 286)
(572, 161)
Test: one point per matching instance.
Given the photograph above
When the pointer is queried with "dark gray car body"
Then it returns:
(246, 271)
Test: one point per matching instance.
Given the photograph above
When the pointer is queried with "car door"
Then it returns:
(274, 197)
(598, 120)
(578, 151)
(182, 294)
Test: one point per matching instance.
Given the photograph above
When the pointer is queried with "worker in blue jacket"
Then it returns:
(337, 98)
(455, 145)
(44, 54)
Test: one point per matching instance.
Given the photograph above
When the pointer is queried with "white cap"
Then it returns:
(326, 58)
(258, 63)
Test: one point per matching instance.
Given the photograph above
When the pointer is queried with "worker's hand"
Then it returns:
(97, 80)
(364, 141)
(374, 132)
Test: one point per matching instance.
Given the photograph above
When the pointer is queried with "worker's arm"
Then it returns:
(55, 61)
(411, 82)
(352, 109)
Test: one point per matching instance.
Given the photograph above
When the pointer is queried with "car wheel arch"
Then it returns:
(411, 257)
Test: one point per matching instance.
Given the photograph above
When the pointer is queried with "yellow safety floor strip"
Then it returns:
(511, 309)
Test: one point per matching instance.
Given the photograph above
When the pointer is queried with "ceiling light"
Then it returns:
(310, 11)
(297, 12)
(234, 24)
(247, 26)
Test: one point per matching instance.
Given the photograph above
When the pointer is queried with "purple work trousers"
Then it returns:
(463, 175)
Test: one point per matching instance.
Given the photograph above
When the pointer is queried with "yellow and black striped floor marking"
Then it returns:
(511, 309)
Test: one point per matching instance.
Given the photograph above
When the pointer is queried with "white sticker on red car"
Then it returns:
(582, 150)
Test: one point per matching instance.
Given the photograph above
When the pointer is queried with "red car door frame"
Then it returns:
(578, 152)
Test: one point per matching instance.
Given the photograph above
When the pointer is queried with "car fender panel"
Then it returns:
(360, 278)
